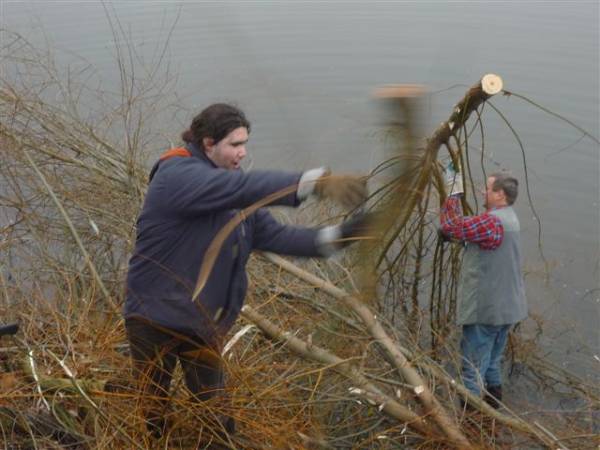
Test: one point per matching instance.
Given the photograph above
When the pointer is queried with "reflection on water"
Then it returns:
(304, 73)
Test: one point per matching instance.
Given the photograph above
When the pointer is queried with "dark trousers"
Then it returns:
(154, 352)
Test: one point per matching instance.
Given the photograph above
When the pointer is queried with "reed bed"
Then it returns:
(355, 352)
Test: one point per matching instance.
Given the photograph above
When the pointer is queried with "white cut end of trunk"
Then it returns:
(491, 84)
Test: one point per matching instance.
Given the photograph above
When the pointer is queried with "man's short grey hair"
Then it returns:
(508, 183)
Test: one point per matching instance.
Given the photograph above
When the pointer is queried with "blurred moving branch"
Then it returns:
(400, 104)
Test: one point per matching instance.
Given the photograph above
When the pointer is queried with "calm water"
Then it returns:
(303, 71)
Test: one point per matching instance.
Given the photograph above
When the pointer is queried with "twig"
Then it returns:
(74, 233)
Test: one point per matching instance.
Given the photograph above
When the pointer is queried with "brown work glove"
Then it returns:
(349, 191)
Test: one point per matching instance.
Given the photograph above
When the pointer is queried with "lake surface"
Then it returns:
(304, 73)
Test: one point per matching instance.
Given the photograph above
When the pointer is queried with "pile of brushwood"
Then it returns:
(354, 352)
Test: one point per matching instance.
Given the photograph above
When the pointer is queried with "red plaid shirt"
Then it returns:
(485, 229)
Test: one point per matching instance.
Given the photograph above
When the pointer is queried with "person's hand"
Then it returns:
(453, 178)
(335, 237)
(357, 227)
(349, 191)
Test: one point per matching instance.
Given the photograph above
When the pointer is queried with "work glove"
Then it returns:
(349, 191)
(359, 226)
(333, 238)
(453, 178)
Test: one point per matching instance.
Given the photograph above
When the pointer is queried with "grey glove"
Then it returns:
(453, 178)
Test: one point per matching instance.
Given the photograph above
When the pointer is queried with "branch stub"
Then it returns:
(491, 84)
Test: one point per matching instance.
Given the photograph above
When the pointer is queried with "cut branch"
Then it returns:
(366, 389)
(403, 366)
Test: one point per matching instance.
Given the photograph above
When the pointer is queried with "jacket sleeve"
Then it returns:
(191, 188)
(273, 236)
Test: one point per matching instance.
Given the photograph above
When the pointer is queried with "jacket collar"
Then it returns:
(197, 152)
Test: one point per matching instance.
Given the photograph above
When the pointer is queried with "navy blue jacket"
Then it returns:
(188, 201)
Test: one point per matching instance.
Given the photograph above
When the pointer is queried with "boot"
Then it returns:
(493, 396)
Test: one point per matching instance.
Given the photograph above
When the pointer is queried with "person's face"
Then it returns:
(493, 199)
(229, 151)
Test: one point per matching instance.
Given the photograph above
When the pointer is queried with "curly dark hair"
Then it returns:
(216, 121)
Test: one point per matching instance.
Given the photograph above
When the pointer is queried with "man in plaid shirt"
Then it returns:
(491, 290)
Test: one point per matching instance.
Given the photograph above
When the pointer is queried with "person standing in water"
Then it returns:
(491, 294)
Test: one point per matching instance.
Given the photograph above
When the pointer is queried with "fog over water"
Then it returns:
(304, 72)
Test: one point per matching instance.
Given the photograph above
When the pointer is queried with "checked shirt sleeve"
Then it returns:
(485, 229)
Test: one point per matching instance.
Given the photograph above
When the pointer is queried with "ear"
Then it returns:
(208, 144)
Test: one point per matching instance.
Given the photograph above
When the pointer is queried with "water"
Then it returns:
(304, 72)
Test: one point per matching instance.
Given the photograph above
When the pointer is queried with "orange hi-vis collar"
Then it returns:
(177, 151)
